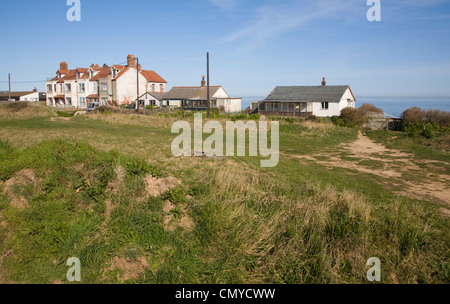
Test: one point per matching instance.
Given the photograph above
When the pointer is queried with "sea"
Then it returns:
(390, 105)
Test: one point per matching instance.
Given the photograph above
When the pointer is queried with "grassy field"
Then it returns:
(106, 189)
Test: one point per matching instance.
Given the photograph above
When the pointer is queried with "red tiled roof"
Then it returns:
(120, 67)
(152, 76)
(103, 73)
(70, 76)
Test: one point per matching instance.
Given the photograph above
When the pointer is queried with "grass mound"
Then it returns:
(24, 110)
(219, 226)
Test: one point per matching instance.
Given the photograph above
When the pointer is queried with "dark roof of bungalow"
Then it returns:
(191, 93)
(157, 95)
(307, 94)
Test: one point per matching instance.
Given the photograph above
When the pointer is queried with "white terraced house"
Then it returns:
(115, 85)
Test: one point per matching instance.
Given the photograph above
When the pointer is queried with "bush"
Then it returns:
(441, 118)
(413, 115)
(238, 117)
(428, 133)
(289, 120)
(416, 120)
(353, 117)
(256, 117)
(367, 108)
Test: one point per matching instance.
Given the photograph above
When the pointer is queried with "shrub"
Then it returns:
(289, 120)
(256, 117)
(441, 118)
(238, 117)
(338, 121)
(428, 133)
(413, 115)
(367, 108)
(352, 117)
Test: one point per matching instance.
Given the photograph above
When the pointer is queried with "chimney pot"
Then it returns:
(324, 83)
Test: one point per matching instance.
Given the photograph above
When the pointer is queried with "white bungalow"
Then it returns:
(303, 101)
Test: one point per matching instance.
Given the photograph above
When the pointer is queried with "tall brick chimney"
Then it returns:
(64, 66)
(131, 61)
(324, 83)
(203, 82)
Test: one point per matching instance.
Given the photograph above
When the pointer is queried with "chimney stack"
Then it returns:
(203, 82)
(324, 83)
(35, 90)
(131, 61)
(64, 66)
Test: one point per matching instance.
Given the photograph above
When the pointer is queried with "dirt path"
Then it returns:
(407, 176)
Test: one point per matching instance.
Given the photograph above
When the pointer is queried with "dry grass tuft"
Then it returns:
(25, 110)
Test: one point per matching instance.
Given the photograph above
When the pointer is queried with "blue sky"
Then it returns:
(254, 45)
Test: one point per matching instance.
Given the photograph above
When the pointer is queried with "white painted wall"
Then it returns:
(33, 97)
(335, 108)
(125, 87)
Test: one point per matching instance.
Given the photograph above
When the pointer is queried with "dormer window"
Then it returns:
(92, 74)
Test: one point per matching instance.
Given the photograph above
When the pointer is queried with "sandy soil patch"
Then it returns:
(21, 179)
(130, 269)
(392, 166)
(158, 186)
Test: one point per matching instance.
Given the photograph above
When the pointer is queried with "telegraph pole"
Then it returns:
(138, 106)
(207, 70)
(9, 81)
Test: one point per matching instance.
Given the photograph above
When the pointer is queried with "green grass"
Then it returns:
(296, 223)
(431, 149)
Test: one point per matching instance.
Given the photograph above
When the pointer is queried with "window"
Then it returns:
(49, 88)
(82, 87)
(95, 87)
(68, 87)
(104, 87)
(61, 88)
(92, 74)
(325, 105)
(161, 87)
(82, 102)
(153, 87)
(68, 101)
